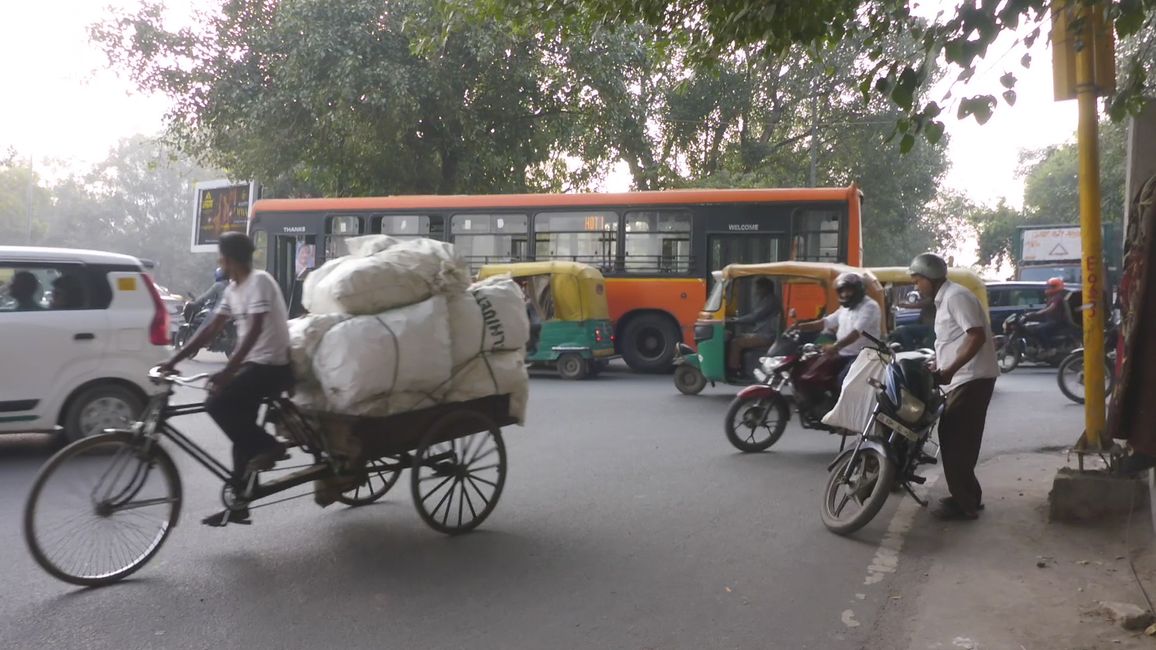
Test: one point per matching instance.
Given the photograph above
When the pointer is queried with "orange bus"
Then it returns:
(656, 249)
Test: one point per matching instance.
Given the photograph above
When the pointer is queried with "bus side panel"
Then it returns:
(683, 298)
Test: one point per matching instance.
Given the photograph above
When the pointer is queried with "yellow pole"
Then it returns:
(1091, 241)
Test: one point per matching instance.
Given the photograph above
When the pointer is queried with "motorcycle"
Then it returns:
(891, 446)
(193, 316)
(791, 375)
(1021, 342)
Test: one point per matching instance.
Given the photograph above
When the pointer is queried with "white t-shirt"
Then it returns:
(956, 311)
(259, 294)
(865, 317)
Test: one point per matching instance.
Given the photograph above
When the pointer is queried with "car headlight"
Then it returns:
(910, 407)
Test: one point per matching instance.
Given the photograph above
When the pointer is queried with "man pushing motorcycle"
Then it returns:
(966, 368)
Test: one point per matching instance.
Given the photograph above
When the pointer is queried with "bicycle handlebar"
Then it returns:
(155, 374)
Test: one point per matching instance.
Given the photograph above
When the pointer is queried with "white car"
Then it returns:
(78, 332)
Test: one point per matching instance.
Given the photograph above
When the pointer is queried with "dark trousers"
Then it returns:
(234, 408)
(960, 436)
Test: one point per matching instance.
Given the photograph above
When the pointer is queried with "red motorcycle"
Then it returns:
(792, 375)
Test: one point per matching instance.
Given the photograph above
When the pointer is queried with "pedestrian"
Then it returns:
(966, 367)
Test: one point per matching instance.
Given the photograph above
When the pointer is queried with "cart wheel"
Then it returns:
(571, 365)
(456, 483)
(380, 476)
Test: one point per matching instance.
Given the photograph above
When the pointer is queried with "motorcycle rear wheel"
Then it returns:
(750, 414)
(868, 483)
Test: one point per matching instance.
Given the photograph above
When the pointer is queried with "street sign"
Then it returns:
(1051, 245)
(1073, 30)
(218, 207)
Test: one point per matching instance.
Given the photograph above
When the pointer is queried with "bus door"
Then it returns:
(293, 257)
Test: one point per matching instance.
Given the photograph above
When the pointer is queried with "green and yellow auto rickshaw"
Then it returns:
(807, 291)
(568, 299)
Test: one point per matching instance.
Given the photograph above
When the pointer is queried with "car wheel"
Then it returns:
(105, 406)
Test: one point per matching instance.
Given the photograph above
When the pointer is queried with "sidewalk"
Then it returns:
(985, 589)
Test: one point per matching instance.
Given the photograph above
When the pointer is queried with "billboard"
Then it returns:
(1059, 244)
(219, 207)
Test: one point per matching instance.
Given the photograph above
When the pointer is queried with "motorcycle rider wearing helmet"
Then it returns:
(1054, 319)
(966, 367)
(210, 298)
(856, 314)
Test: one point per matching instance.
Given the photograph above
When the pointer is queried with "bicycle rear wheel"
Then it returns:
(101, 508)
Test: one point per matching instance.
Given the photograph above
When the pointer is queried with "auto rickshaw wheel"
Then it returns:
(689, 380)
(571, 365)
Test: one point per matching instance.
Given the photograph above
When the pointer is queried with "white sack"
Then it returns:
(500, 373)
(404, 273)
(489, 317)
(858, 397)
(305, 333)
(368, 357)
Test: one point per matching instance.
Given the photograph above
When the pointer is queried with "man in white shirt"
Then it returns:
(258, 368)
(857, 314)
(966, 367)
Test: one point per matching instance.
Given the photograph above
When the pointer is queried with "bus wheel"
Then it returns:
(648, 343)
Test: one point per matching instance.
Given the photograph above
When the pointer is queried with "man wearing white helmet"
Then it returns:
(857, 314)
(966, 368)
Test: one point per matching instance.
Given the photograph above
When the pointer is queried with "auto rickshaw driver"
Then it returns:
(765, 318)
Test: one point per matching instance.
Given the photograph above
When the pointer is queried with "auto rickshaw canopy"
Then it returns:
(578, 290)
(822, 273)
(964, 277)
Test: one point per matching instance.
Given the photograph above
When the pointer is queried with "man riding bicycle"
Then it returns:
(259, 368)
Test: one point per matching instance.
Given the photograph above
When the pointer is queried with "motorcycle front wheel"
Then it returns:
(753, 424)
(856, 490)
(1009, 357)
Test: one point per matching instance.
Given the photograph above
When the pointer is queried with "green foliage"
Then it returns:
(1052, 194)
(711, 30)
(320, 97)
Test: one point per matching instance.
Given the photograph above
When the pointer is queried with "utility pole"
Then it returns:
(1084, 68)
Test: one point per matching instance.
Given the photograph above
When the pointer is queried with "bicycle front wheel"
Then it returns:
(101, 507)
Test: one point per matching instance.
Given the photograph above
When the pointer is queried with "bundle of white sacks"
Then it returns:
(395, 326)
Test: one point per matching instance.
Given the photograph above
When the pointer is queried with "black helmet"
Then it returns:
(854, 282)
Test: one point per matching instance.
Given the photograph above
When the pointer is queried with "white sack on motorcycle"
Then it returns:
(857, 400)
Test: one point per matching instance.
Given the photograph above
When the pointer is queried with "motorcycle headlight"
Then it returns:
(910, 407)
(770, 363)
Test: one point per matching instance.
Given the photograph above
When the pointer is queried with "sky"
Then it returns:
(64, 109)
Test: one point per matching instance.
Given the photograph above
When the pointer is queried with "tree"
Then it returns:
(318, 97)
(1052, 195)
(772, 27)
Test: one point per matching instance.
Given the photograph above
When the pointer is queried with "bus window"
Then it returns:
(260, 250)
(657, 241)
(487, 238)
(587, 236)
(402, 226)
(339, 229)
(816, 235)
